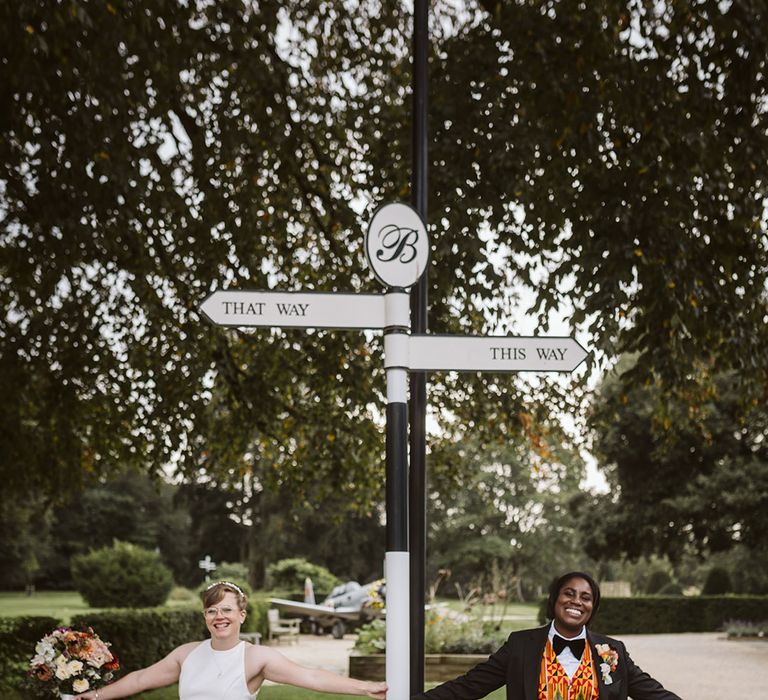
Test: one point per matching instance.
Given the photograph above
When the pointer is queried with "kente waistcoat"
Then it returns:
(554, 683)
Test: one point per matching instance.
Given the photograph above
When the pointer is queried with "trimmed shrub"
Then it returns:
(657, 581)
(180, 594)
(18, 636)
(257, 621)
(232, 571)
(671, 588)
(289, 575)
(745, 629)
(141, 637)
(666, 614)
(718, 582)
(121, 576)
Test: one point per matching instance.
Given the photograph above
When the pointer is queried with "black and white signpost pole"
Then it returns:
(417, 477)
(397, 249)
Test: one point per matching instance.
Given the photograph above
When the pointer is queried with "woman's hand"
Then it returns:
(377, 691)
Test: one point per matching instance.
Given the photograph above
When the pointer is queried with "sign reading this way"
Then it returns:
(493, 353)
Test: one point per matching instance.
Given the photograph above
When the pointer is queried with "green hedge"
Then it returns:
(142, 637)
(257, 617)
(137, 637)
(18, 636)
(672, 614)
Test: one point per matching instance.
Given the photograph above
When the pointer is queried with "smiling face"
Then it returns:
(224, 618)
(573, 606)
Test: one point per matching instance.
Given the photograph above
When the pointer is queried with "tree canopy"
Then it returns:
(507, 512)
(690, 492)
(610, 157)
(619, 150)
(151, 154)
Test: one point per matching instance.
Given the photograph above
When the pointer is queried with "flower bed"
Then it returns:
(437, 667)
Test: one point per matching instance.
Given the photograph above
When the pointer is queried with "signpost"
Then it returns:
(397, 249)
(207, 565)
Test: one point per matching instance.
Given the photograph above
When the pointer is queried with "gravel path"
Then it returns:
(695, 666)
(703, 666)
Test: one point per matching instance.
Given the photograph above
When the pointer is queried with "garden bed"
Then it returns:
(437, 667)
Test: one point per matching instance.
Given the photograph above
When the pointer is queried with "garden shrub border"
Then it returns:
(672, 614)
(141, 637)
(138, 637)
(18, 636)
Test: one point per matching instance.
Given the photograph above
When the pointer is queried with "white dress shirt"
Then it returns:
(566, 658)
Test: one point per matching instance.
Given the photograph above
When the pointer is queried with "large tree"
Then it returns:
(150, 154)
(609, 156)
(619, 151)
(674, 490)
(503, 508)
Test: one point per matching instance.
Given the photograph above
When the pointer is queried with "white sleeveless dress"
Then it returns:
(207, 674)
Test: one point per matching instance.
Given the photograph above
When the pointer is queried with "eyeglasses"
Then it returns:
(226, 611)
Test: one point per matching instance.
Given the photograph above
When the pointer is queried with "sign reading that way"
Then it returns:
(297, 309)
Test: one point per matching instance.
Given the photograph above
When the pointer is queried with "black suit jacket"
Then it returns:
(518, 663)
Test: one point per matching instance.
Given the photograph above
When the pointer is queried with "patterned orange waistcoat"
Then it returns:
(554, 683)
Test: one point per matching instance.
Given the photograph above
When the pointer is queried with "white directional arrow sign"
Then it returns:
(493, 353)
(296, 309)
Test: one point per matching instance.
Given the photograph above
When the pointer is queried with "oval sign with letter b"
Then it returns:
(396, 245)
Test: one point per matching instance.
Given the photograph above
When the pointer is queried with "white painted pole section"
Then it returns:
(398, 659)
(396, 563)
(397, 386)
(397, 309)
(396, 351)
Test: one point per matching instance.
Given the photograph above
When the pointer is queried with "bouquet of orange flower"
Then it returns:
(68, 662)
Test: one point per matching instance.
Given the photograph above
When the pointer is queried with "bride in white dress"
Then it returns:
(225, 667)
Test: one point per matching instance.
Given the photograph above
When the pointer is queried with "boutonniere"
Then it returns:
(610, 660)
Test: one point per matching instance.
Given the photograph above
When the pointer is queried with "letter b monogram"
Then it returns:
(397, 242)
(397, 245)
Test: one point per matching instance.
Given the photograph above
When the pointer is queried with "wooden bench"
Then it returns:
(280, 627)
(252, 637)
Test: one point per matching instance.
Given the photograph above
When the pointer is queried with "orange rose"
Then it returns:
(42, 673)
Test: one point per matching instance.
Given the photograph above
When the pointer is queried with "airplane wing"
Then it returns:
(316, 611)
(297, 608)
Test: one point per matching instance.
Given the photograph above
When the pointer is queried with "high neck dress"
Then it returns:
(207, 674)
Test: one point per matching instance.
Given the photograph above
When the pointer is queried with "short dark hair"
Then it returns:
(557, 585)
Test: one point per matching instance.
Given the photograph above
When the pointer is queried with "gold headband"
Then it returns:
(226, 583)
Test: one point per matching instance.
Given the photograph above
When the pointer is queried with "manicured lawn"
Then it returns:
(282, 692)
(59, 604)
(513, 616)
(272, 692)
(268, 692)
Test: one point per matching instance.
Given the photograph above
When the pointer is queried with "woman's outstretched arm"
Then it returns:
(164, 672)
(277, 668)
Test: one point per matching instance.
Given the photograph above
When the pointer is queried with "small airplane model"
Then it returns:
(348, 606)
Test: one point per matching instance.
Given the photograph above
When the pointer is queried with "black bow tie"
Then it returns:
(576, 645)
